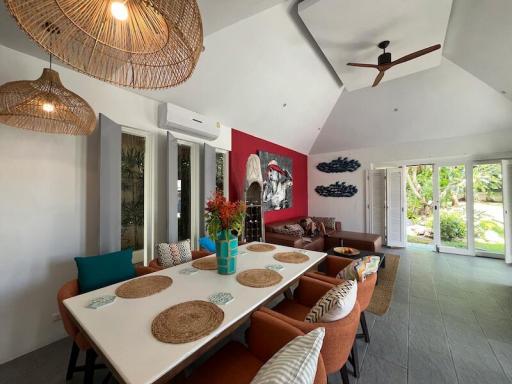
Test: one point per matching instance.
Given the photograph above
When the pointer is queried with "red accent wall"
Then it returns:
(242, 146)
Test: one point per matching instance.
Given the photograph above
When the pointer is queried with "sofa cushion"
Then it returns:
(290, 229)
(336, 304)
(207, 243)
(329, 222)
(359, 269)
(171, 254)
(96, 272)
(295, 363)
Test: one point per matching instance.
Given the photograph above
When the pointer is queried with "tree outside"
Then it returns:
(488, 206)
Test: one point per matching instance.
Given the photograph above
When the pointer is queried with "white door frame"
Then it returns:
(468, 172)
(149, 189)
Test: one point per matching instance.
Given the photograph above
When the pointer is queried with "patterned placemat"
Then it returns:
(143, 287)
(291, 257)
(206, 263)
(260, 247)
(186, 322)
(259, 278)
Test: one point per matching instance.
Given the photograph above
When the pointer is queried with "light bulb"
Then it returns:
(119, 10)
(48, 107)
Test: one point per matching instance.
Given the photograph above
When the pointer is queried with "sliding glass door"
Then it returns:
(488, 212)
(451, 214)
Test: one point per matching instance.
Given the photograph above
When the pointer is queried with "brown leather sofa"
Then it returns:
(316, 244)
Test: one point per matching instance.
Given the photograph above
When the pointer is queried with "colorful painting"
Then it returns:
(277, 181)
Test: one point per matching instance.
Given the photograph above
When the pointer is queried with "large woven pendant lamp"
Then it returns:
(145, 44)
(45, 105)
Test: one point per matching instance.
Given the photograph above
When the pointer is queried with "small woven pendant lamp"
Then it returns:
(45, 105)
(145, 44)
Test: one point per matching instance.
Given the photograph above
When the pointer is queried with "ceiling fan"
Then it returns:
(384, 61)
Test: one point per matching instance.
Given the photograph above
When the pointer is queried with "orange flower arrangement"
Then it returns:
(223, 216)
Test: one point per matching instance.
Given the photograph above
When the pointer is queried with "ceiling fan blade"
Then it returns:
(363, 65)
(378, 78)
(416, 54)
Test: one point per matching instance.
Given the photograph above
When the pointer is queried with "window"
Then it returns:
(184, 191)
(222, 173)
(134, 192)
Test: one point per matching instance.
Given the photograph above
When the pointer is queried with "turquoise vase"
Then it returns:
(227, 251)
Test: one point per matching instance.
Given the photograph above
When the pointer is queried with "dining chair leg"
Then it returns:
(354, 360)
(344, 374)
(73, 357)
(364, 326)
(90, 358)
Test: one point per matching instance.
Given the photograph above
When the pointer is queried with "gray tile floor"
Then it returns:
(450, 322)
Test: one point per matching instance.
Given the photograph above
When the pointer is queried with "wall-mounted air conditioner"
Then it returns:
(177, 119)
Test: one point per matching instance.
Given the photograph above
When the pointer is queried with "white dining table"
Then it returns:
(121, 332)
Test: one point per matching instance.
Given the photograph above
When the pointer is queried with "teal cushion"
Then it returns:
(99, 271)
(207, 243)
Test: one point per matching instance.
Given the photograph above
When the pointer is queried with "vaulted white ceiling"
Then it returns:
(480, 41)
(349, 31)
(442, 102)
(263, 73)
(262, 76)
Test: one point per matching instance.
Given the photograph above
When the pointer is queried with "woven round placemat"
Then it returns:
(206, 263)
(143, 287)
(291, 257)
(261, 247)
(186, 322)
(259, 278)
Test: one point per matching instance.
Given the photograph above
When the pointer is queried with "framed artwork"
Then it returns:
(277, 181)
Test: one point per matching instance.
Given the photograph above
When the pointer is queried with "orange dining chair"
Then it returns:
(237, 364)
(339, 335)
(335, 264)
(195, 255)
(80, 342)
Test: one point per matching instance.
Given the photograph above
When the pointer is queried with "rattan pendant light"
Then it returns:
(45, 105)
(137, 43)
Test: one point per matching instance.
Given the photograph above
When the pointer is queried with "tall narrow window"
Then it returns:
(133, 152)
(184, 191)
(221, 178)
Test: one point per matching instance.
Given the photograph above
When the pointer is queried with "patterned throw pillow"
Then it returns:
(172, 254)
(329, 222)
(359, 269)
(296, 232)
(336, 304)
(295, 363)
(295, 228)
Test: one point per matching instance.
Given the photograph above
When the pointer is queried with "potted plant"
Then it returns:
(223, 219)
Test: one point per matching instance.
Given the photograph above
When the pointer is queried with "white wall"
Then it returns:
(351, 211)
(49, 203)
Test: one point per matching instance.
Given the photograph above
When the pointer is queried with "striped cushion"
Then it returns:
(295, 363)
(172, 254)
(359, 269)
(336, 304)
